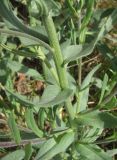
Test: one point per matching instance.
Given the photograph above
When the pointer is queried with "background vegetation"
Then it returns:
(58, 79)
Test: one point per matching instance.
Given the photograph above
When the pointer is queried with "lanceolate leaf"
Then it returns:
(60, 98)
(59, 146)
(57, 99)
(47, 146)
(8, 14)
(22, 99)
(104, 85)
(31, 123)
(97, 119)
(14, 129)
(75, 52)
(83, 95)
(25, 35)
(92, 152)
(91, 134)
(16, 155)
(18, 67)
(20, 52)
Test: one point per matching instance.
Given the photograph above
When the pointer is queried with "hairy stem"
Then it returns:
(58, 59)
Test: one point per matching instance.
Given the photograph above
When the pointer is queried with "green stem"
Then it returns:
(58, 59)
(83, 30)
(80, 60)
(79, 72)
(72, 9)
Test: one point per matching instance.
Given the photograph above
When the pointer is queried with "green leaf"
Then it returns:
(111, 104)
(47, 146)
(72, 82)
(109, 55)
(91, 134)
(54, 7)
(101, 13)
(97, 119)
(28, 42)
(31, 123)
(75, 52)
(28, 151)
(105, 51)
(36, 9)
(83, 158)
(3, 72)
(18, 67)
(14, 129)
(56, 147)
(57, 99)
(61, 97)
(112, 152)
(108, 25)
(92, 152)
(25, 35)
(84, 94)
(41, 118)
(20, 52)
(22, 99)
(48, 74)
(104, 85)
(50, 92)
(16, 155)
(7, 13)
